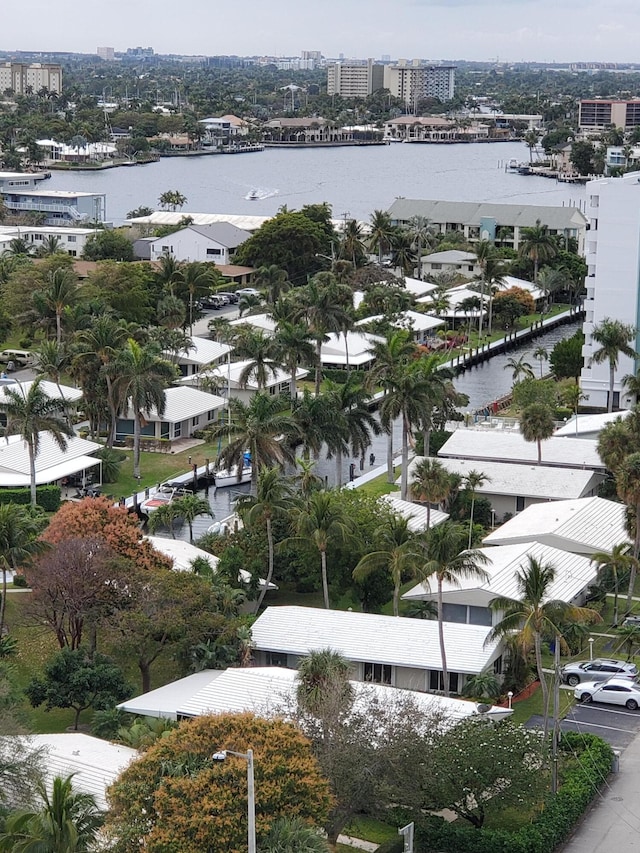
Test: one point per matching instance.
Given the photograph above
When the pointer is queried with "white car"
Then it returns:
(248, 291)
(615, 691)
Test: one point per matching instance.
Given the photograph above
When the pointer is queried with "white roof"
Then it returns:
(583, 526)
(419, 288)
(392, 640)
(334, 350)
(451, 256)
(56, 230)
(66, 468)
(69, 393)
(49, 193)
(202, 351)
(509, 281)
(183, 403)
(96, 763)
(456, 296)
(167, 217)
(573, 574)
(232, 372)
(408, 320)
(269, 690)
(415, 514)
(530, 481)
(264, 322)
(14, 455)
(511, 447)
(589, 425)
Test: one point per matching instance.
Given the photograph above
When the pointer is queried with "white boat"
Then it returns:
(164, 494)
(229, 476)
(513, 163)
(254, 195)
(391, 139)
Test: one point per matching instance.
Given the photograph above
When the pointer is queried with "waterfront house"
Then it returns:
(414, 513)
(589, 426)
(186, 410)
(217, 242)
(304, 131)
(410, 128)
(352, 349)
(421, 327)
(225, 378)
(20, 192)
(390, 650)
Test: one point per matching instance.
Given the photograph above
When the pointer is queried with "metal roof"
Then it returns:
(224, 233)
(471, 213)
(574, 573)
(202, 351)
(369, 637)
(62, 392)
(356, 350)
(415, 514)
(167, 217)
(451, 256)
(589, 425)
(511, 447)
(183, 403)
(419, 288)
(412, 320)
(14, 454)
(583, 526)
(164, 701)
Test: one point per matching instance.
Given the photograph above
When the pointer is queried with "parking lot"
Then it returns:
(615, 725)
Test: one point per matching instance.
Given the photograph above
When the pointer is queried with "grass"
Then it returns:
(369, 829)
(380, 486)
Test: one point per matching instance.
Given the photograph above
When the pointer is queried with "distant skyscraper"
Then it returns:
(386, 57)
(106, 53)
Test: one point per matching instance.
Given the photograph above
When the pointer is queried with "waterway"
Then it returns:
(354, 180)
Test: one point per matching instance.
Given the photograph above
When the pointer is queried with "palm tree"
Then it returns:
(614, 338)
(171, 312)
(168, 274)
(484, 250)
(494, 272)
(541, 355)
(306, 480)
(166, 516)
(615, 564)
(196, 279)
(533, 616)
(613, 444)
(294, 346)
(324, 690)
(140, 378)
(19, 541)
(323, 522)
(551, 281)
(51, 245)
(442, 555)
(484, 685)
(256, 427)
(352, 424)
(191, 507)
(403, 254)
(273, 280)
(311, 414)
(630, 638)
(421, 231)
(536, 424)
(69, 821)
(352, 245)
(388, 356)
(272, 499)
(172, 200)
(431, 483)
(60, 292)
(631, 383)
(53, 361)
(380, 233)
(393, 540)
(31, 413)
(472, 482)
(260, 352)
(537, 245)
(519, 368)
(628, 487)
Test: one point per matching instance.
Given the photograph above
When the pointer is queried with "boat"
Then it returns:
(253, 195)
(513, 163)
(224, 477)
(392, 139)
(164, 494)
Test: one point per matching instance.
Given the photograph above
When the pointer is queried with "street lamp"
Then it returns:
(510, 697)
(251, 793)
(591, 642)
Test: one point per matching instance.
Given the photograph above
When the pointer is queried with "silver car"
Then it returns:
(598, 669)
(615, 691)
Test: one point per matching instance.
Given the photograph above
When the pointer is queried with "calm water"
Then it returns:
(353, 180)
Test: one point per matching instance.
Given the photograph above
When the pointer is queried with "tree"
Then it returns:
(582, 157)
(484, 685)
(421, 232)
(392, 554)
(473, 481)
(351, 420)
(322, 521)
(323, 689)
(628, 487)
(30, 414)
(166, 515)
(613, 337)
(615, 565)
(352, 243)
(293, 835)
(61, 292)
(566, 357)
(440, 552)
(614, 443)
(533, 616)
(294, 347)
(68, 821)
(196, 279)
(537, 245)
(629, 636)
(172, 200)
(519, 368)
(255, 427)
(273, 281)
(202, 802)
(273, 499)
(108, 245)
(72, 679)
(140, 378)
(431, 483)
(191, 507)
(19, 542)
(537, 424)
(541, 355)
(260, 352)
(380, 233)
(550, 282)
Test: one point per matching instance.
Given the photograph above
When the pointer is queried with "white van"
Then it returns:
(20, 357)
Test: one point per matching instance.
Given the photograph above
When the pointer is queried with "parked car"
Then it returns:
(615, 691)
(597, 670)
(232, 298)
(632, 620)
(215, 302)
(248, 291)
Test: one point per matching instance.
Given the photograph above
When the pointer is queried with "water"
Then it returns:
(354, 180)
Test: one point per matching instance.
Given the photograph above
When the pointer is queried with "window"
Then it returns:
(72, 252)
(378, 673)
(519, 504)
(497, 666)
(72, 239)
(216, 252)
(276, 659)
(436, 682)
(177, 430)
(436, 266)
(454, 613)
(479, 615)
(195, 421)
(37, 236)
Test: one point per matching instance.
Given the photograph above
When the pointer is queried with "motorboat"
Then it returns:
(224, 477)
(513, 163)
(163, 495)
(254, 195)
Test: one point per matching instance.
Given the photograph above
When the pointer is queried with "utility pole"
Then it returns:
(556, 716)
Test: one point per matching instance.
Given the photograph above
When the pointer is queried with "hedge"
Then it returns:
(553, 825)
(47, 497)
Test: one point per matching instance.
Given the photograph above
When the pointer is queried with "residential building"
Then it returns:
(387, 650)
(21, 194)
(202, 353)
(599, 114)
(107, 54)
(352, 349)
(302, 131)
(70, 240)
(589, 426)
(613, 287)
(186, 410)
(216, 243)
(412, 81)
(222, 130)
(354, 79)
(174, 217)
(226, 378)
(421, 327)
(24, 78)
(488, 221)
(413, 128)
(52, 464)
(452, 261)
(53, 151)
(415, 514)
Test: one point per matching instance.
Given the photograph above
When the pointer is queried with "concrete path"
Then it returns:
(357, 843)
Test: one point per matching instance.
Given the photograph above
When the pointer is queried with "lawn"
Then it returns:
(380, 486)
(369, 829)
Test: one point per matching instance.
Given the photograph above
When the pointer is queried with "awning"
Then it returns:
(49, 475)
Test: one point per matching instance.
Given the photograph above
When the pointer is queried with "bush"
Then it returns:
(394, 845)
(47, 497)
(20, 581)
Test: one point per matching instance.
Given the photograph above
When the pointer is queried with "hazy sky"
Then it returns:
(546, 30)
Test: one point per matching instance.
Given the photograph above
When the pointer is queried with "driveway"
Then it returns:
(615, 725)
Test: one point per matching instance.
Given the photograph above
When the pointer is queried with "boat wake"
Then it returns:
(257, 194)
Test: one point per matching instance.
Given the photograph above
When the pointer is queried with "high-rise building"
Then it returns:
(315, 55)
(25, 77)
(414, 80)
(354, 79)
(106, 53)
(598, 114)
(613, 286)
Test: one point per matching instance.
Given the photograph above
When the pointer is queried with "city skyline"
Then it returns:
(508, 30)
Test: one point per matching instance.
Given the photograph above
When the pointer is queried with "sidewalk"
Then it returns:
(613, 821)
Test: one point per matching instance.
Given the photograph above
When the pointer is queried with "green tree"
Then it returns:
(442, 557)
(614, 565)
(537, 246)
(392, 545)
(30, 414)
(61, 292)
(582, 157)
(519, 367)
(191, 507)
(351, 420)
(431, 483)
(566, 357)
(273, 281)
(294, 347)
(537, 424)
(421, 232)
(484, 685)
(541, 355)
(472, 482)
(261, 354)
(19, 542)
(628, 487)
(172, 200)
(108, 245)
(614, 339)
(293, 835)
(629, 636)
(72, 679)
(380, 233)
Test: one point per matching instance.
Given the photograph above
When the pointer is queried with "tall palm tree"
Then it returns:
(171, 312)
(273, 499)
(519, 367)
(31, 413)
(628, 487)
(19, 541)
(323, 522)
(484, 250)
(532, 616)
(168, 274)
(392, 541)
(53, 361)
(536, 424)
(442, 556)
(294, 346)
(616, 564)
(262, 357)
(195, 279)
(380, 233)
(51, 245)
(472, 482)
(311, 415)
(614, 338)
(420, 231)
(614, 444)
(550, 282)
(541, 355)
(403, 253)
(631, 383)
(353, 423)
(273, 280)
(61, 291)
(388, 356)
(69, 821)
(352, 245)
(537, 245)
(431, 483)
(257, 427)
(306, 480)
(191, 507)
(494, 272)
(140, 377)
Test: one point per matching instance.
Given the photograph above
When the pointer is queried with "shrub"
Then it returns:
(20, 581)
(47, 497)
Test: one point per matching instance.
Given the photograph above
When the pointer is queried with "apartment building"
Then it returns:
(597, 114)
(354, 79)
(20, 192)
(23, 77)
(107, 54)
(414, 80)
(613, 288)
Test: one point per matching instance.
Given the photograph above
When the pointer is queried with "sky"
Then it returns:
(508, 30)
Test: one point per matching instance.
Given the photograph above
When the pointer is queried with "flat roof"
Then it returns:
(392, 640)
(168, 217)
(589, 424)
(451, 256)
(49, 193)
(203, 351)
